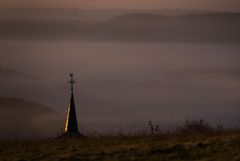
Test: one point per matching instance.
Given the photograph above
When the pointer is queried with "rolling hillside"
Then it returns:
(198, 147)
(196, 28)
(22, 118)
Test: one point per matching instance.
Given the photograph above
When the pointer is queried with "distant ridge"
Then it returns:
(157, 17)
(136, 27)
(21, 118)
(86, 14)
(138, 17)
(12, 73)
(17, 104)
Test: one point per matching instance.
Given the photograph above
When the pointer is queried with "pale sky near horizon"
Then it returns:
(217, 5)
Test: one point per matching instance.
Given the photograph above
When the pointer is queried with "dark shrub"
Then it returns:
(196, 126)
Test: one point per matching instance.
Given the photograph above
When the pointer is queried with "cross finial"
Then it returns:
(71, 81)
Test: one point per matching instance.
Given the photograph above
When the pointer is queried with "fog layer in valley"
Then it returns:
(130, 68)
(126, 84)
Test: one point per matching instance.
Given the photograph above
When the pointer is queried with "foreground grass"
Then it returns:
(216, 146)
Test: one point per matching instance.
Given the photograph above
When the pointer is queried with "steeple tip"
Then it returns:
(72, 81)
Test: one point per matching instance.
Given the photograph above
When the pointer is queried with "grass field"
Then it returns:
(206, 146)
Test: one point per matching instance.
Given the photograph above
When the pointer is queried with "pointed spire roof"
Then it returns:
(71, 122)
(71, 128)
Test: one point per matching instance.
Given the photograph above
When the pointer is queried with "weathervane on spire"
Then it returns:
(71, 81)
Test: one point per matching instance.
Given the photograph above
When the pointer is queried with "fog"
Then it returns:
(127, 84)
(131, 66)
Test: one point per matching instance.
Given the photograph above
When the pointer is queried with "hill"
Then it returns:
(145, 18)
(138, 17)
(137, 27)
(20, 118)
(198, 28)
(83, 14)
(8, 73)
(218, 146)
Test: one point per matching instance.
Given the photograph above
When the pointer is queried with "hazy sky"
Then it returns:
(220, 5)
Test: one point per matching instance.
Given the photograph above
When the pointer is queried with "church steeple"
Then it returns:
(71, 128)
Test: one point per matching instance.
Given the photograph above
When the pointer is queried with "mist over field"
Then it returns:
(127, 84)
(130, 68)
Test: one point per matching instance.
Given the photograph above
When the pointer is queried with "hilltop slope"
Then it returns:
(200, 147)
(23, 118)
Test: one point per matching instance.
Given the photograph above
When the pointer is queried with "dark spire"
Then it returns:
(71, 128)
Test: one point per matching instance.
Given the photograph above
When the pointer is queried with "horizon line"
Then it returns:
(79, 8)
